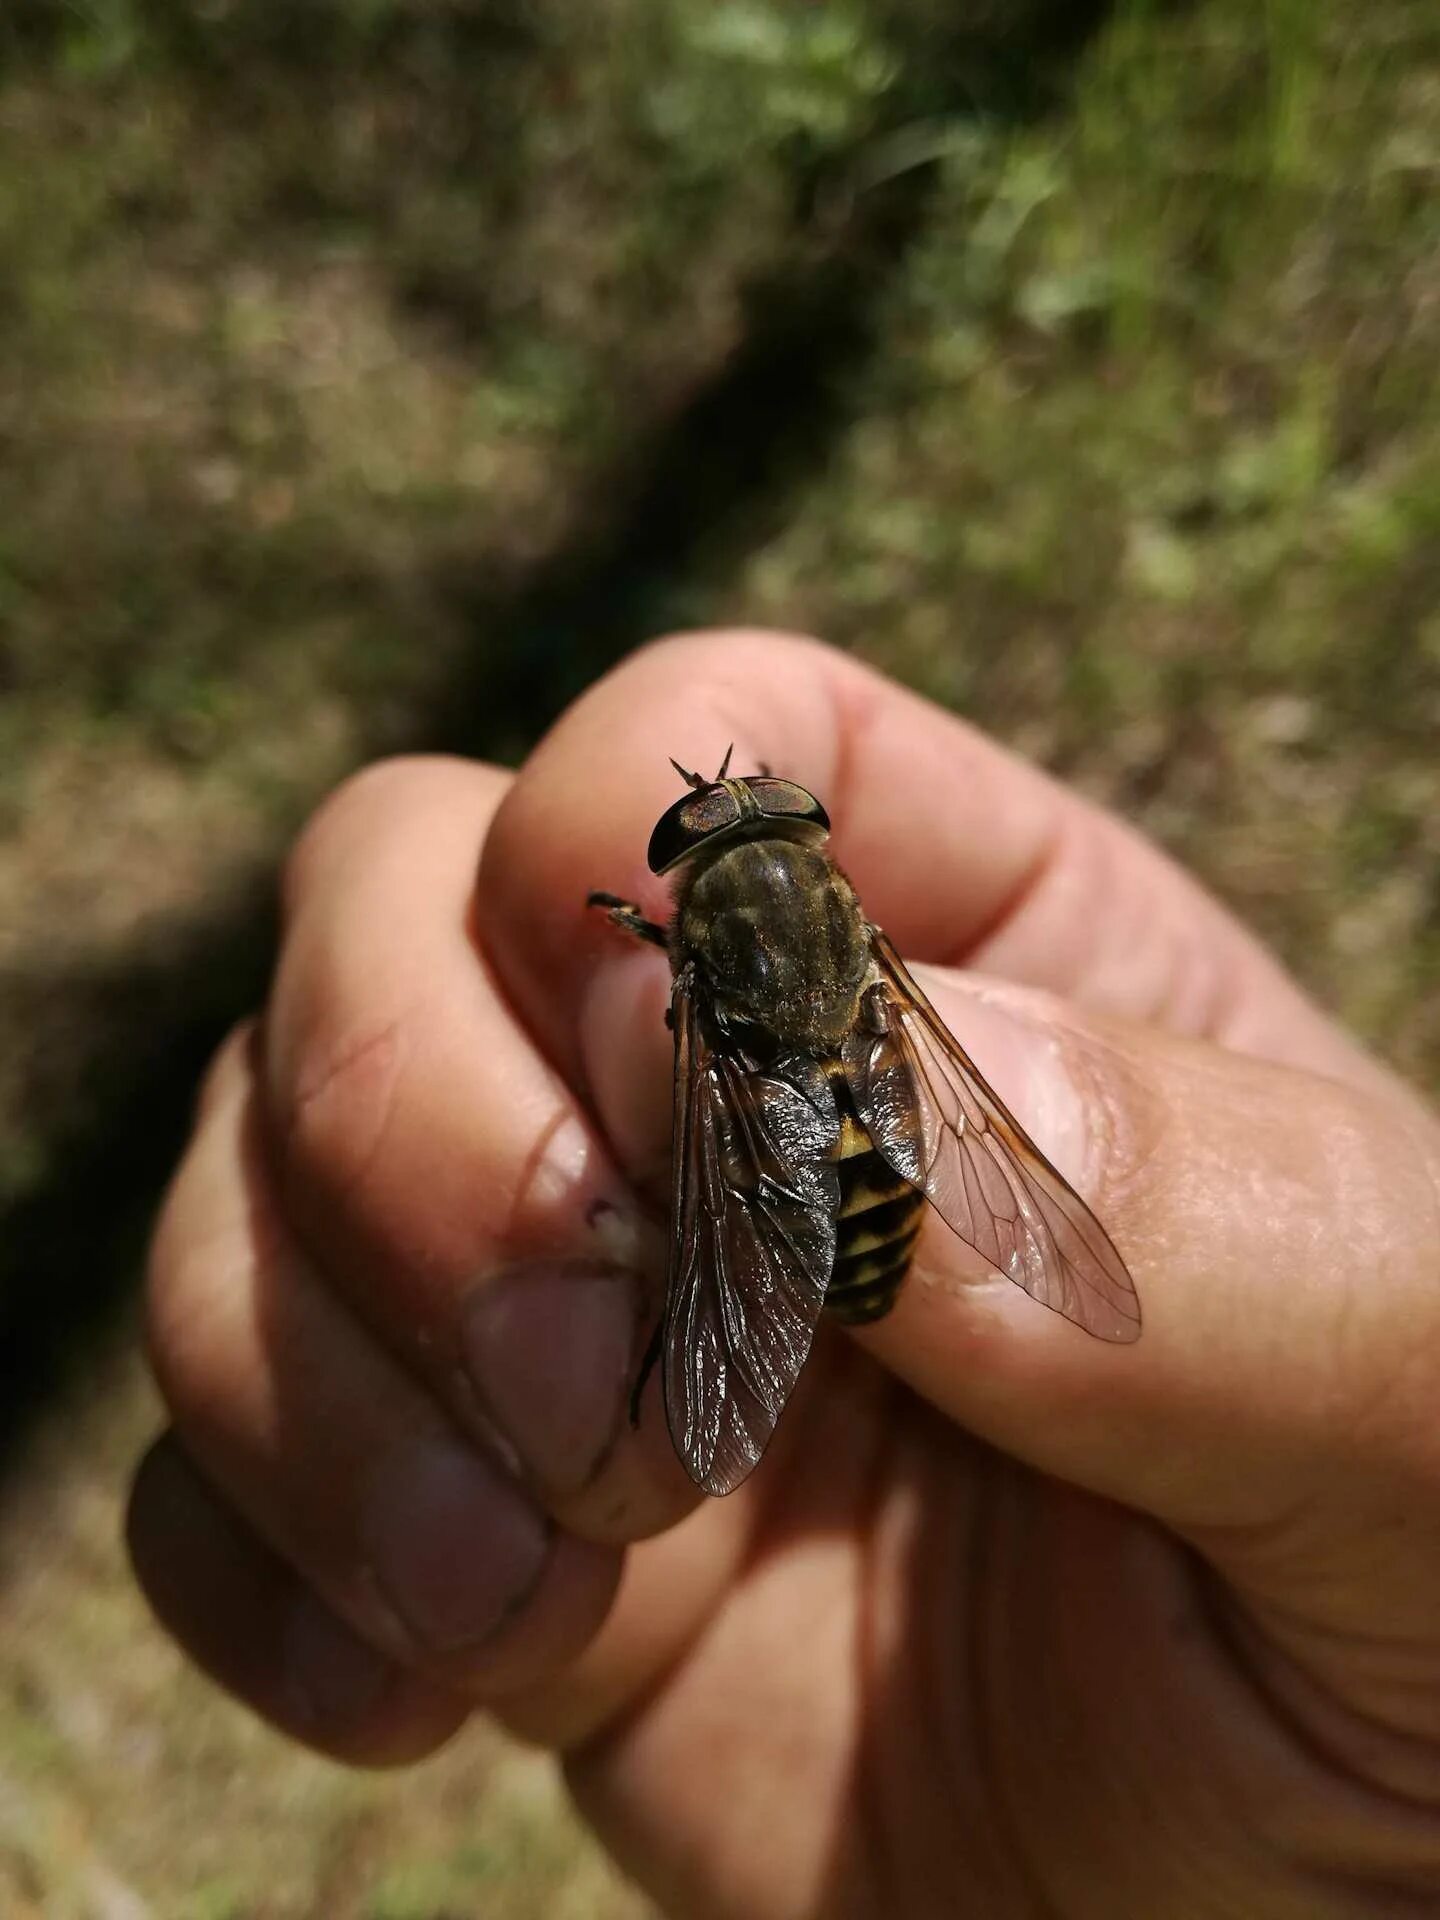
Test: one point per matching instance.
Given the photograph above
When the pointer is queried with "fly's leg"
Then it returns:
(627, 915)
(647, 1367)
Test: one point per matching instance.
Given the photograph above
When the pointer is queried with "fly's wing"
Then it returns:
(754, 1204)
(933, 1119)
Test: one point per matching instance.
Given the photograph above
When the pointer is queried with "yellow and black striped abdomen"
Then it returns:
(879, 1218)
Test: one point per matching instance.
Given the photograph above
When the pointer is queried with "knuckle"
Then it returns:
(335, 1110)
(192, 1275)
(379, 794)
(723, 643)
(218, 1240)
(230, 1067)
(720, 663)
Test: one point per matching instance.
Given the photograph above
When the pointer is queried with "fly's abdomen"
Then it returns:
(880, 1216)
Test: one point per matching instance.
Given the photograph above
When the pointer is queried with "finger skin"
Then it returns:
(1218, 1178)
(425, 1148)
(250, 1623)
(1277, 1410)
(333, 1454)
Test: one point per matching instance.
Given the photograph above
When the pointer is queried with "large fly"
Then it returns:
(819, 1101)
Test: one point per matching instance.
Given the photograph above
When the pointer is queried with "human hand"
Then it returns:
(1009, 1620)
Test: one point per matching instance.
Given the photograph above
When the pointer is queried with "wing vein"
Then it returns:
(973, 1161)
(756, 1196)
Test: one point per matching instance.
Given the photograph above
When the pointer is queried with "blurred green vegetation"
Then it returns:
(1146, 473)
(372, 372)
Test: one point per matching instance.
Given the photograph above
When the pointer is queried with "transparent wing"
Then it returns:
(933, 1119)
(754, 1203)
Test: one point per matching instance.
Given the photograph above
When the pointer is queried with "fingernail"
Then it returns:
(628, 1057)
(335, 1680)
(1022, 1055)
(549, 1350)
(455, 1546)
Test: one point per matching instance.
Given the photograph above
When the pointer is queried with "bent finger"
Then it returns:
(440, 1172)
(416, 1536)
(1283, 1234)
(248, 1621)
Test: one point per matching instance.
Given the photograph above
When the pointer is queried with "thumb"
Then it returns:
(1282, 1232)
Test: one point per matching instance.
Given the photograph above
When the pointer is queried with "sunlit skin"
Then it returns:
(1010, 1621)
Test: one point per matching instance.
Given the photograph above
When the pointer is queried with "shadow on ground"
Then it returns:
(697, 496)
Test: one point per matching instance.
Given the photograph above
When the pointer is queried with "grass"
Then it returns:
(306, 340)
(1149, 480)
(383, 360)
(128, 1789)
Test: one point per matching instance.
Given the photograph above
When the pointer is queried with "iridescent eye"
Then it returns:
(784, 800)
(681, 828)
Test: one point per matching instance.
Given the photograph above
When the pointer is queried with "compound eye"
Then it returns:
(693, 819)
(785, 800)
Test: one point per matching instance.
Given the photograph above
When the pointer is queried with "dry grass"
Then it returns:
(128, 1788)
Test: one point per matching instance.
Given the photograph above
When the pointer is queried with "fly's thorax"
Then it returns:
(778, 937)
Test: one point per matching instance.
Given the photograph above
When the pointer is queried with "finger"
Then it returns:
(713, 1582)
(960, 850)
(1282, 1232)
(670, 1588)
(424, 1544)
(440, 1171)
(238, 1053)
(245, 1617)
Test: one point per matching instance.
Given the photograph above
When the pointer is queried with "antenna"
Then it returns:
(694, 779)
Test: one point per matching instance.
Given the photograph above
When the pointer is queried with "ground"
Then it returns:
(376, 372)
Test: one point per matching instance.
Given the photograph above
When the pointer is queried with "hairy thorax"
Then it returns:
(779, 938)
